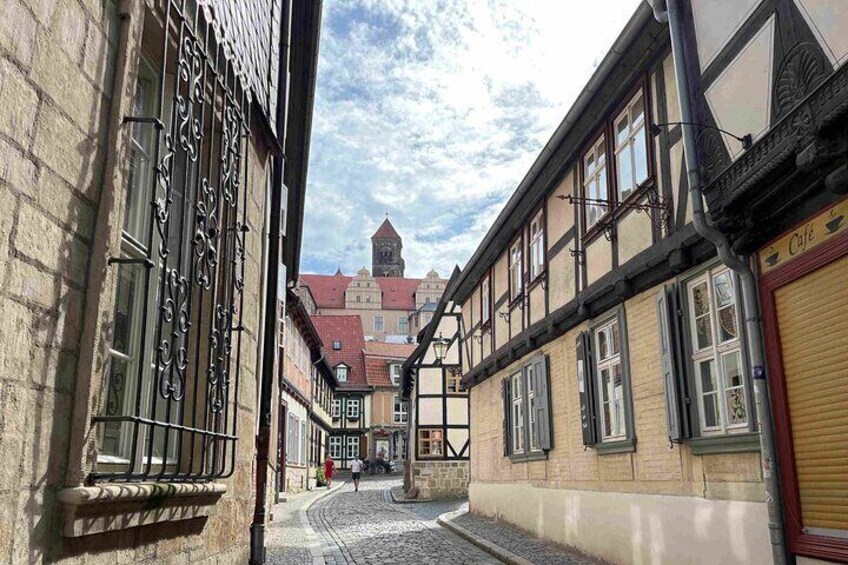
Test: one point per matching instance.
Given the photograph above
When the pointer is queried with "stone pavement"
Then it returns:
(366, 527)
(520, 547)
(287, 538)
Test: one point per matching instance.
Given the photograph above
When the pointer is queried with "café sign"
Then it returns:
(812, 233)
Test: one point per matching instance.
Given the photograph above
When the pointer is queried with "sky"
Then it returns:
(432, 112)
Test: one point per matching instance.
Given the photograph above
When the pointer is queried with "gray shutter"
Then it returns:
(673, 404)
(507, 407)
(585, 384)
(543, 402)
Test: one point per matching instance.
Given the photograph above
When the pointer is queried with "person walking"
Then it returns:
(329, 466)
(356, 471)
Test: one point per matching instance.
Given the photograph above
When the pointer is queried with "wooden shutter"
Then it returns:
(542, 405)
(673, 399)
(585, 384)
(507, 407)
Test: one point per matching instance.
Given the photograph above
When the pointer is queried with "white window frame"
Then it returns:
(403, 326)
(352, 447)
(606, 391)
(595, 181)
(335, 447)
(342, 371)
(516, 280)
(336, 409)
(485, 300)
(517, 412)
(716, 352)
(537, 246)
(352, 409)
(395, 372)
(400, 410)
(378, 324)
(634, 132)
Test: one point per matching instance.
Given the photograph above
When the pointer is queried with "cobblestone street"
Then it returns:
(366, 527)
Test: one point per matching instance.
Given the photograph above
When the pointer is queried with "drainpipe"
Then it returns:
(269, 349)
(753, 323)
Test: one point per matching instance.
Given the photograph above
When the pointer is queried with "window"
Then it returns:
(352, 447)
(531, 408)
(293, 439)
(517, 418)
(631, 149)
(341, 373)
(352, 408)
(719, 369)
(403, 326)
(359, 298)
(166, 282)
(485, 300)
(336, 411)
(515, 278)
(378, 323)
(603, 382)
(430, 442)
(595, 181)
(394, 371)
(399, 410)
(454, 381)
(537, 247)
(610, 381)
(337, 346)
(336, 447)
(303, 443)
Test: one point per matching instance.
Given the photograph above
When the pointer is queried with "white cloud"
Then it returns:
(433, 112)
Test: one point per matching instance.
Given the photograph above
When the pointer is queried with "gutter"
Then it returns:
(272, 297)
(577, 111)
(670, 11)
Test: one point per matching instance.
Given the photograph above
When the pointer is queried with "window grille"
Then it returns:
(171, 396)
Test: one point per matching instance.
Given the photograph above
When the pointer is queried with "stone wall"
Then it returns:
(62, 183)
(440, 479)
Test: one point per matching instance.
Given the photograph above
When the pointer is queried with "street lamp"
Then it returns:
(440, 347)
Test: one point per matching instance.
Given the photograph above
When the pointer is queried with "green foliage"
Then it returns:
(320, 479)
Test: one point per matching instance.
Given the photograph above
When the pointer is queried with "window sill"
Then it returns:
(536, 281)
(113, 507)
(617, 446)
(526, 457)
(735, 443)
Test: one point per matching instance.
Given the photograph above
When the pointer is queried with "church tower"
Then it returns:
(386, 251)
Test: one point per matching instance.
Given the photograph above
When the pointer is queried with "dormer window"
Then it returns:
(341, 373)
(394, 370)
(337, 346)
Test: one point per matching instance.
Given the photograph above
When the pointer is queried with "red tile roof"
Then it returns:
(348, 331)
(328, 291)
(386, 230)
(377, 358)
(377, 371)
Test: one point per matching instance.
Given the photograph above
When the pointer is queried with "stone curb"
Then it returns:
(446, 521)
(401, 500)
(311, 536)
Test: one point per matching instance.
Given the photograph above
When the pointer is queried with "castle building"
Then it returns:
(388, 303)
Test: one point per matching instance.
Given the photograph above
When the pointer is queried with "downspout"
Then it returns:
(753, 321)
(269, 348)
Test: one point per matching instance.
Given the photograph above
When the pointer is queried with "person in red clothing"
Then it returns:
(329, 465)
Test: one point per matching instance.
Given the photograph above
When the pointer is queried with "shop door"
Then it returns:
(806, 322)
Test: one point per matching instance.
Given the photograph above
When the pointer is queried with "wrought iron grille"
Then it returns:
(170, 411)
